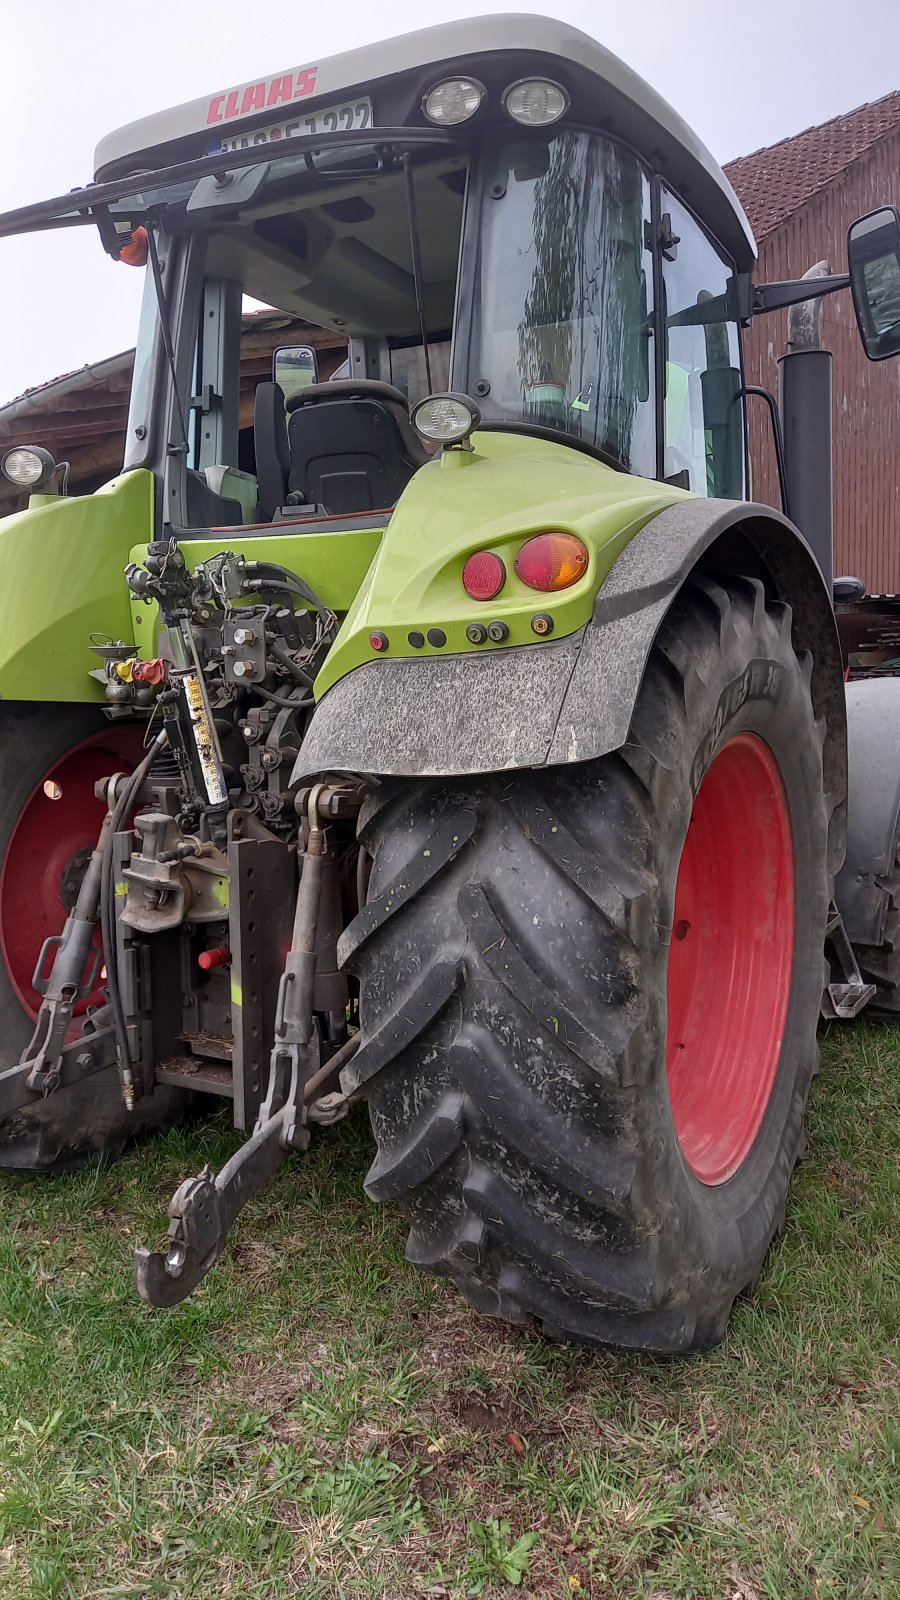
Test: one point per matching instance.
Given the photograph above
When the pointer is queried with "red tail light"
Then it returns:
(483, 575)
(552, 561)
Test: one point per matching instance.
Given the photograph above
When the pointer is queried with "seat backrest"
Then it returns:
(352, 447)
(270, 441)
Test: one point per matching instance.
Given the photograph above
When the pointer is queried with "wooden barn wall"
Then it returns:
(866, 397)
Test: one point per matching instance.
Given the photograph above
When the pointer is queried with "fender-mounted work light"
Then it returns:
(446, 418)
(535, 102)
(28, 466)
(448, 104)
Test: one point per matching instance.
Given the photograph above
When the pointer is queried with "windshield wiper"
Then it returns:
(82, 206)
(165, 329)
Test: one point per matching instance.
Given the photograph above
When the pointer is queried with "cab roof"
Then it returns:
(605, 93)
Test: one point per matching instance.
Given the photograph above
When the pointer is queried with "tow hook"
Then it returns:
(204, 1208)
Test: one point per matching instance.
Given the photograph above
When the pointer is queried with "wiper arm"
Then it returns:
(82, 205)
(164, 327)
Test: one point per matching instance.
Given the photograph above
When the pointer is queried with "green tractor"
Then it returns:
(455, 734)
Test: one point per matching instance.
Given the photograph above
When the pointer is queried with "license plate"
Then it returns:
(351, 117)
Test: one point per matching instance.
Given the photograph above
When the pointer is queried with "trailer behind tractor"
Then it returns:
(456, 735)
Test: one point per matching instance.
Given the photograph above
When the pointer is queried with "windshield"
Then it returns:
(560, 335)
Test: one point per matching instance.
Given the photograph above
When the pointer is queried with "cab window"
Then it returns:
(704, 429)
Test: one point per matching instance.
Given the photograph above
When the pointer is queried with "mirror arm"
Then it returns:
(743, 300)
(774, 296)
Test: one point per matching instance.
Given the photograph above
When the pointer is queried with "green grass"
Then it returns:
(321, 1420)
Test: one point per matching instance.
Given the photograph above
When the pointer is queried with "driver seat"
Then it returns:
(349, 447)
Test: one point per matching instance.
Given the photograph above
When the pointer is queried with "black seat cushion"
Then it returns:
(352, 447)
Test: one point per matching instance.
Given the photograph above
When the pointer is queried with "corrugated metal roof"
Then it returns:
(775, 182)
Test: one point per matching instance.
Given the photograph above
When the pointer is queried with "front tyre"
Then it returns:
(50, 758)
(589, 996)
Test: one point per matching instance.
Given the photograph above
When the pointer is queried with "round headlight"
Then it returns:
(28, 465)
(453, 102)
(535, 102)
(446, 418)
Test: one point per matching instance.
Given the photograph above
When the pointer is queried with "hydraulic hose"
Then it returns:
(284, 578)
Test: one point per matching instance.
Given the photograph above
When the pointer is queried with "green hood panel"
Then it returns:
(509, 488)
(62, 584)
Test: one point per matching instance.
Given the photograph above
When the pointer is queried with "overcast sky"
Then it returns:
(743, 74)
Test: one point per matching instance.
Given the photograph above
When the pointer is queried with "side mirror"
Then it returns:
(873, 252)
(295, 367)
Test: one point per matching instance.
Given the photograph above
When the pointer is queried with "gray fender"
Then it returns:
(572, 700)
(873, 806)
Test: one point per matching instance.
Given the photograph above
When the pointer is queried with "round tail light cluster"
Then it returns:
(551, 561)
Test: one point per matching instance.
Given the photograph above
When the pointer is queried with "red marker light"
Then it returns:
(378, 641)
(483, 575)
(208, 959)
(552, 561)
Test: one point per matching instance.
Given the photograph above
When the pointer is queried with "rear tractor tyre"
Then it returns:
(50, 758)
(589, 996)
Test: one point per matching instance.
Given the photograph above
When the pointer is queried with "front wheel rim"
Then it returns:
(730, 959)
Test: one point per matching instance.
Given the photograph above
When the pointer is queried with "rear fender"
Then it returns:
(557, 702)
(62, 588)
(873, 820)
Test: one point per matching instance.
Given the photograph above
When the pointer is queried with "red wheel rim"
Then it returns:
(48, 849)
(730, 959)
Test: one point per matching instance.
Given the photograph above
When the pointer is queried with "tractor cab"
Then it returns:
(498, 209)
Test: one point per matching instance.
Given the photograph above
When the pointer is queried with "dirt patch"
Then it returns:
(852, 1184)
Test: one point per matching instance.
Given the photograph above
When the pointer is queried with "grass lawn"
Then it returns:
(322, 1420)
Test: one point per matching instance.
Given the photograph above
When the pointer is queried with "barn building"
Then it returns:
(81, 417)
(801, 196)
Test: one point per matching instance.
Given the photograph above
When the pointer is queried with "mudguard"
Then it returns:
(551, 703)
(61, 587)
(873, 820)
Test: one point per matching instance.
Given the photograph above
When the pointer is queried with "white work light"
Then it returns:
(446, 418)
(535, 102)
(27, 465)
(455, 101)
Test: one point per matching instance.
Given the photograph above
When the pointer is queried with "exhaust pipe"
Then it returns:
(805, 405)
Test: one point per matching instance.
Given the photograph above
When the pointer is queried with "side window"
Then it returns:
(704, 438)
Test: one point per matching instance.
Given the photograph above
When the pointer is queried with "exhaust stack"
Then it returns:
(805, 405)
